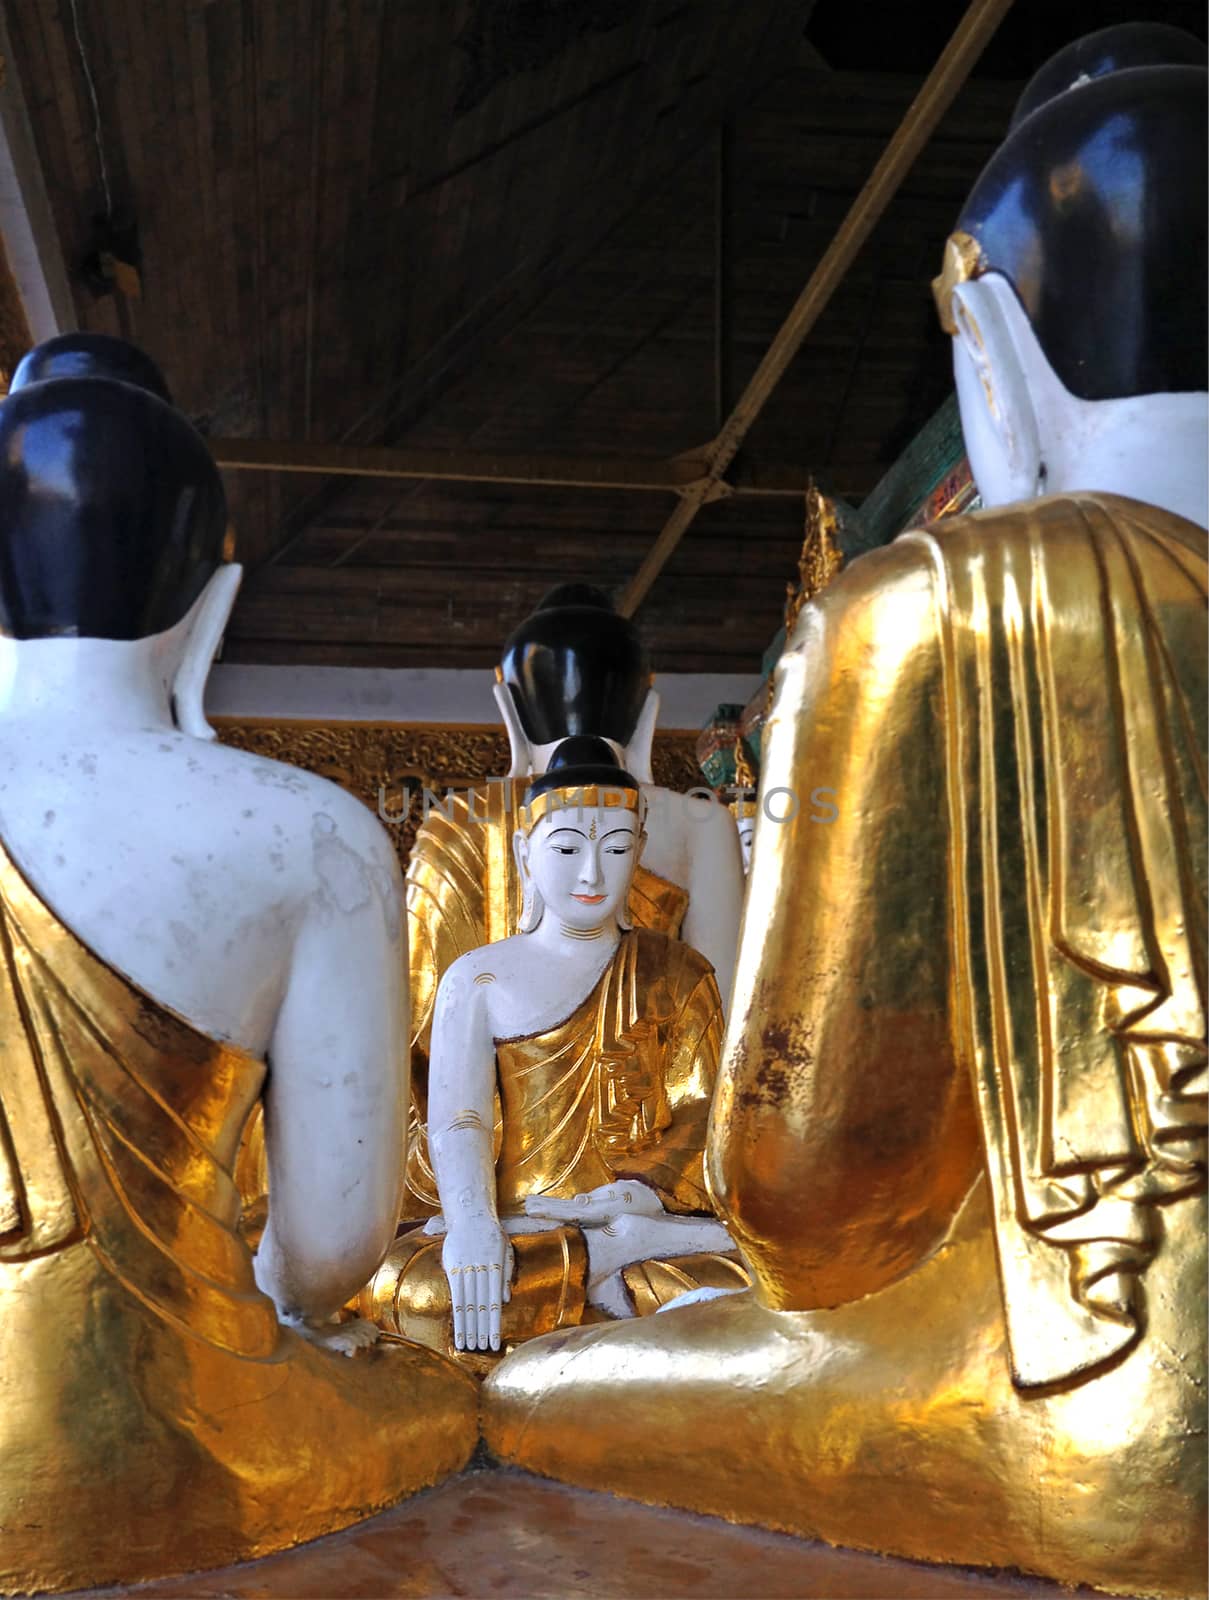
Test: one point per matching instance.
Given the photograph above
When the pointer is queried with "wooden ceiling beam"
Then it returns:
(957, 59)
(679, 475)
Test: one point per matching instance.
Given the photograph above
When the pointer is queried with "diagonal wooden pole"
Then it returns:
(930, 104)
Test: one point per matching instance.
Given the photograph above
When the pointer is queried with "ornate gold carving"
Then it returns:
(745, 773)
(745, 778)
(818, 562)
(379, 761)
(821, 557)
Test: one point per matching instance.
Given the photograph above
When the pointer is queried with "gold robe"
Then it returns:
(621, 1089)
(960, 1125)
(154, 1416)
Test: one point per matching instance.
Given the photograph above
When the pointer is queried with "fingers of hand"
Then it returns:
(482, 1322)
(472, 1308)
(457, 1294)
(495, 1302)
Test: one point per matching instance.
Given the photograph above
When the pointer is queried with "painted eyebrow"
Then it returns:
(578, 832)
(629, 832)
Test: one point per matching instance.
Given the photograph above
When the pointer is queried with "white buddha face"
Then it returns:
(581, 862)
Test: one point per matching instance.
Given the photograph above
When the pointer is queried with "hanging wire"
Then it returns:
(96, 111)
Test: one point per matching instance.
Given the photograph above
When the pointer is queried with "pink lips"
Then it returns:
(588, 899)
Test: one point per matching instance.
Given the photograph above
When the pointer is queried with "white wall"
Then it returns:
(366, 694)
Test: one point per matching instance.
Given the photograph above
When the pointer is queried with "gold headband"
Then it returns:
(963, 260)
(577, 798)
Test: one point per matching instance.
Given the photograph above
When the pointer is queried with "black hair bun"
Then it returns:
(1093, 208)
(112, 512)
(581, 763)
(574, 667)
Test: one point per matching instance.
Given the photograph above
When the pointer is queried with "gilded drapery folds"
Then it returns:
(137, 1353)
(1044, 688)
(1077, 871)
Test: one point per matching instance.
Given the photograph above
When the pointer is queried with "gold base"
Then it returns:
(888, 1425)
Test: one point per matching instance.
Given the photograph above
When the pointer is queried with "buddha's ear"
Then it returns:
(1001, 378)
(532, 904)
(520, 852)
(207, 623)
(638, 750)
(518, 743)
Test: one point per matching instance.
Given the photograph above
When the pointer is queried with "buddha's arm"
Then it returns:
(461, 1078)
(715, 886)
(337, 1084)
(843, 1133)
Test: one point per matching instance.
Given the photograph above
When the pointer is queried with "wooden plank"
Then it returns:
(376, 653)
(599, 472)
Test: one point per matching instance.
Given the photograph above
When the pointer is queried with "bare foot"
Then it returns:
(340, 1338)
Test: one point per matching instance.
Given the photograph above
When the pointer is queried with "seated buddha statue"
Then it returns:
(959, 1133)
(572, 1069)
(574, 668)
(183, 928)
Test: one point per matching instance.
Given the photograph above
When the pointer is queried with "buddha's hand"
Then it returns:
(599, 1208)
(477, 1258)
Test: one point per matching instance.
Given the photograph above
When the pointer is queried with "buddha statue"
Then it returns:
(572, 1068)
(959, 1132)
(184, 930)
(574, 668)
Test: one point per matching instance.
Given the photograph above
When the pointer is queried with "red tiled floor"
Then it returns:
(502, 1533)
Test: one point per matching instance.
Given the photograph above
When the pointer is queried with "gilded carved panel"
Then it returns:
(388, 765)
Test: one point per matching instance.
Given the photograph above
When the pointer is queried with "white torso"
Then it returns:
(185, 865)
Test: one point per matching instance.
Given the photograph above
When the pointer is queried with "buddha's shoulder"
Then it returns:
(901, 587)
(236, 771)
(1055, 523)
(487, 964)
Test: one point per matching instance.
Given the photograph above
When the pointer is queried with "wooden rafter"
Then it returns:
(951, 70)
(681, 475)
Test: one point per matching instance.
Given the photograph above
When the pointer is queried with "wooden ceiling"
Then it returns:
(513, 226)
